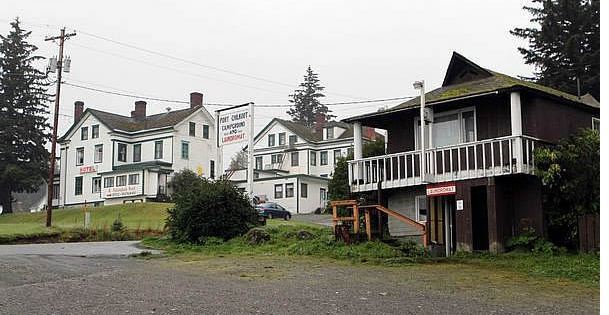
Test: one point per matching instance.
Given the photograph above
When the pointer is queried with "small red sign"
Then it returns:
(441, 189)
(87, 169)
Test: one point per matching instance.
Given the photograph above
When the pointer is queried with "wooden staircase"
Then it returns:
(353, 221)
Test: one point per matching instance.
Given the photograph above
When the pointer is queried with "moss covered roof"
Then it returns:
(480, 84)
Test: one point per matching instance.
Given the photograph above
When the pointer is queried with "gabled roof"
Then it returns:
(122, 123)
(309, 134)
(475, 81)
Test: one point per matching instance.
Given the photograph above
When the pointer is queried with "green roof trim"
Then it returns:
(161, 165)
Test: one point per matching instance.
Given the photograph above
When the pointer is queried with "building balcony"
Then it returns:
(479, 159)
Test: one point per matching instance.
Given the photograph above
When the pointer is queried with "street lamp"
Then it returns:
(420, 85)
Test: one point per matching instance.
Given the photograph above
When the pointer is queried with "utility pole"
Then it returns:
(62, 37)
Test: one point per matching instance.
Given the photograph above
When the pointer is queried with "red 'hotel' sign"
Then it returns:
(442, 189)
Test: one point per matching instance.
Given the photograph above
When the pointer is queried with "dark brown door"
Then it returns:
(479, 218)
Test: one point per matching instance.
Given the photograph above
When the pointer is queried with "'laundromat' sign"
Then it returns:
(442, 189)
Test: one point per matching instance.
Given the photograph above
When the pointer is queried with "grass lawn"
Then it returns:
(148, 215)
(284, 242)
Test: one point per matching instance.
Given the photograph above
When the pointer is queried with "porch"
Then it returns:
(478, 159)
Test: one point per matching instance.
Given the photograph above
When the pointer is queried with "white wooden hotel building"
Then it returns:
(108, 158)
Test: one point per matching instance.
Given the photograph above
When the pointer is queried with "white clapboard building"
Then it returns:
(108, 158)
(293, 163)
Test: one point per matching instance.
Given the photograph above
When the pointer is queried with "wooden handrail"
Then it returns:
(400, 217)
(355, 218)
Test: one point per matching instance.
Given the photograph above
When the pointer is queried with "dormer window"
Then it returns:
(329, 133)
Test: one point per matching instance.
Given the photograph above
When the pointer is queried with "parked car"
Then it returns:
(272, 210)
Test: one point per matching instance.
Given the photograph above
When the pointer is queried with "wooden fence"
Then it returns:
(589, 233)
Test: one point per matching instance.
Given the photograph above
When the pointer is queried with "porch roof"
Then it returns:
(488, 82)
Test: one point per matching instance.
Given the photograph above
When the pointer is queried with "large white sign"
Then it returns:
(233, 126)
(122, 191)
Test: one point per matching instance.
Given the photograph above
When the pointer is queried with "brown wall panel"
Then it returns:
(548, 120)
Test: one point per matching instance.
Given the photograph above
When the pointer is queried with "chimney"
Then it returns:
(140, 110)
(79, 107)
(320, 121)
(196, 99)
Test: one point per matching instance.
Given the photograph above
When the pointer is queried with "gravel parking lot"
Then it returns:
(111, 284)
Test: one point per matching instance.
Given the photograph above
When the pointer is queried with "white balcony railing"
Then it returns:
(492, 157)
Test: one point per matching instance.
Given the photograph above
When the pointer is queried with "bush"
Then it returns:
(117, 225)
(207, 208)
(413, 249)
(531, 242)
(523, 242)
(257, 236)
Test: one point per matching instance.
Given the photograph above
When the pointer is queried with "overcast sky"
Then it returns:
(361, 50)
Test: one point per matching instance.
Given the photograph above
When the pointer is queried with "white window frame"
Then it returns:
(329, 133)
(291, 187)
(304, 190)
(258, 166)
(95, 189)
(594, 119)
(119, 182)
(182, 155)
(321, 161)
(136, 182)
(84, 133)
(98, 156)
(158, 149)
(278, 191)
(459, 112)
(205, 131)
(78, 189)
(80, 150)
(192, 129)
(94, 135)
(417, 214)
(108, 182)
(118, 152)
(297, 161)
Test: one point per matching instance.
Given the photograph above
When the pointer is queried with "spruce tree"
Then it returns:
(24, 130)
(565, 45)
(306, 101)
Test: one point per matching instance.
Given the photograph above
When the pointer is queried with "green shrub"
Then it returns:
(207, 208)
(257, 236)
(117, 225)
(210, 241)
(522, 242)
(413, 249)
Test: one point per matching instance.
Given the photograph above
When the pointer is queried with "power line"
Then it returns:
(174, 69)
(197, 63)
(227, 104)
(125, 94)
(149, 51)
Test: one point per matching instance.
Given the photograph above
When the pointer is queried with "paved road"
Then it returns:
(85, 249)
(106, 284)
(323, 219)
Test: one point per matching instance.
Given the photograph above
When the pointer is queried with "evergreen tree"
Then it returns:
(305, 100)
(239, 161)
(565, 45)
(24, 130)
